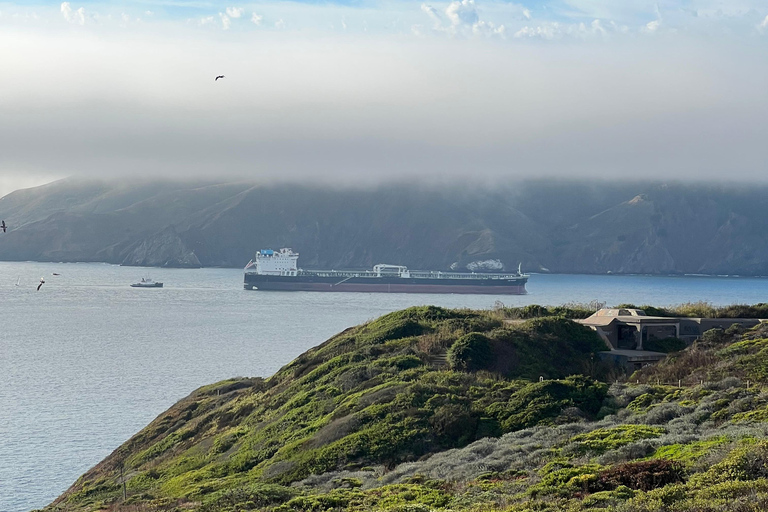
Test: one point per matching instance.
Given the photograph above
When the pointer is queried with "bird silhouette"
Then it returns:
(3, 226)
(220, 76)
(41, 283)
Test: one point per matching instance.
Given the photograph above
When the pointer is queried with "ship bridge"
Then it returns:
(274, 263)
(384, 270)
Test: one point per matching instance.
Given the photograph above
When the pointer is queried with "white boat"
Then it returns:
(147, 283)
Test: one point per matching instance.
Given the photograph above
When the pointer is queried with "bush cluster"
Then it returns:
(372, 420)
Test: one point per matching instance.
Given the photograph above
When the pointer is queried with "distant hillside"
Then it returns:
(558, 227)
(429, 409)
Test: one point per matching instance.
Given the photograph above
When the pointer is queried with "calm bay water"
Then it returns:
(87, 361)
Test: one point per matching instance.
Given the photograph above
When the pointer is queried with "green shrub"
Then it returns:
(542, 402)
(699, 309)
(453, 425)
(248, 497)
(583, 338)
(549, 347)
(746, 462)
(690, 452)
(665, 345)
(470, 353)
(564, 479)
(572, 311)
(603, 439)
(604, 498)
(642, 402)
(715, 335)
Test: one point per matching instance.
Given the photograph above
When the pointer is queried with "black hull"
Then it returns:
(386, 284)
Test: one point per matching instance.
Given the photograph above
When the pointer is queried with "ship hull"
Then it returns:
(386, 285)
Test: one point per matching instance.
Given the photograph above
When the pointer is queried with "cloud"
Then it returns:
(454, 18)
(764, 23)
(433, 14)
(597, 27)
(235, 12)
(226, 22)
(488, 28)
(357, 110)
(462, 13)
(552, 31)
(71, 16)
(15, 181)
(545, 31)
(566, 94)
(463, 20)
(652, 26)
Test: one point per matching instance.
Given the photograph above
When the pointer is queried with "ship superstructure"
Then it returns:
(278, 270)
(274, 263)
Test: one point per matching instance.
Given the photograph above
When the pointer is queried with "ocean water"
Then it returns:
(87, 361)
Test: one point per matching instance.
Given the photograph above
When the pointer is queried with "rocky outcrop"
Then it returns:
(164, 249)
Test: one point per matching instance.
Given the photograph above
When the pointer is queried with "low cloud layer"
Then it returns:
(463, 97)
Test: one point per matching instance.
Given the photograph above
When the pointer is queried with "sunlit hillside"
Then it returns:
(432, 409)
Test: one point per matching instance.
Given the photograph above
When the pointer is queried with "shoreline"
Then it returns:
(531, 273)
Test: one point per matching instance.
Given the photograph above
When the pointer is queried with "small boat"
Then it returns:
(147, 283)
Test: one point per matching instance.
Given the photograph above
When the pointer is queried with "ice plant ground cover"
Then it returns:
(435, 409)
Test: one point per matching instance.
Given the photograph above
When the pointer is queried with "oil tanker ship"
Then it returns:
(278, 270)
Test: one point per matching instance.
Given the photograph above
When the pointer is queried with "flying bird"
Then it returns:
(41, 283)
(3, 226)
(220, 76)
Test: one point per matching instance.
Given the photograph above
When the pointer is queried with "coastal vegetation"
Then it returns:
(456, 410)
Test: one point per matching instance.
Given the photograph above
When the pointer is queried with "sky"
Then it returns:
(359, 92)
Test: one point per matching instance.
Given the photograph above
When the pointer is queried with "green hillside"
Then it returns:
(434, 409)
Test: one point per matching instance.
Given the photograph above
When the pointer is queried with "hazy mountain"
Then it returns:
(560, 226)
